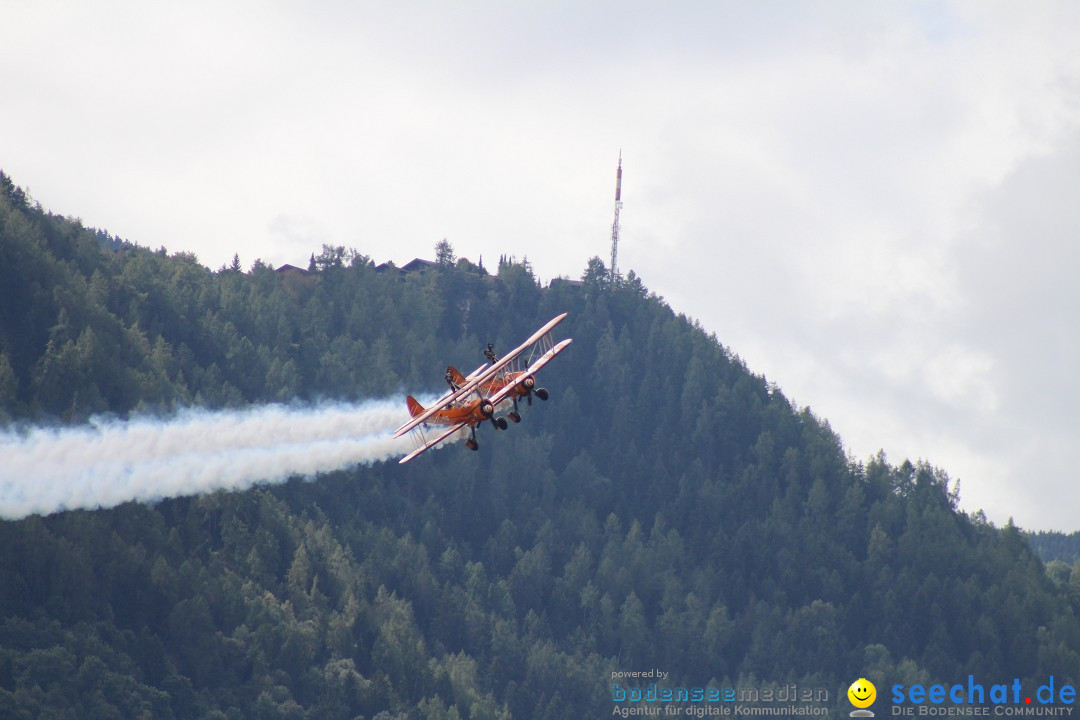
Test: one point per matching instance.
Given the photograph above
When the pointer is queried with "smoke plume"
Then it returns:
(108, 462)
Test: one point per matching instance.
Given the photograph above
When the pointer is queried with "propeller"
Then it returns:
(529, 383)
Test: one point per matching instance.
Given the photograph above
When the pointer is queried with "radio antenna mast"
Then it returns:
(615, 224)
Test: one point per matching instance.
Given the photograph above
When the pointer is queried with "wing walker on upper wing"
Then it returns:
(474, 398)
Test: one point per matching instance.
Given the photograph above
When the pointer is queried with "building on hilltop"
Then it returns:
(286, 268)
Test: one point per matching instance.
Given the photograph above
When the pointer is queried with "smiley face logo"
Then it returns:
(862, 693)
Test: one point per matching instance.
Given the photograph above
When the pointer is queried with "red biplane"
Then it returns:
(474, 398)
(524, 385)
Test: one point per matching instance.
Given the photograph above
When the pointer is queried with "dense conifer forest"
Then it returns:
(1061, 553)
(667, 508)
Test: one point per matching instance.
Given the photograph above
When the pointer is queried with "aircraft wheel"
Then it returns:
(501, 423)
(471, 444)
(542, 393)
(513, 415)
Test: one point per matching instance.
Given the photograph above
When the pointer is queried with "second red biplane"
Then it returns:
(473, 399)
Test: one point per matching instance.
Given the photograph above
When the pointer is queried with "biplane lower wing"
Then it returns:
(432, 443)
(477, 378)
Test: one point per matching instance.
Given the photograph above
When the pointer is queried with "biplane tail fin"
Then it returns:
(415, 408)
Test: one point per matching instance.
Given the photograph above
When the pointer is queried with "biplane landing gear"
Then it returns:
(471, 444)
(499, 423)
(541, 393)
(514, 414)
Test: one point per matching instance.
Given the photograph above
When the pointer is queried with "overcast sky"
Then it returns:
(873, 204)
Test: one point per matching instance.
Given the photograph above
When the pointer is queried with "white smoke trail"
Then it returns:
(110, 462)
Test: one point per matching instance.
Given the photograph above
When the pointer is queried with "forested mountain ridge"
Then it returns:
(1061, 553)
(667, 508)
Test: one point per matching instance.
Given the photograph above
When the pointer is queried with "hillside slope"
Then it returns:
(667, 508)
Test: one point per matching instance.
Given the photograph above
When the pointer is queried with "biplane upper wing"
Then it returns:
(478, 377)
(532, 369)
(432, 443)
